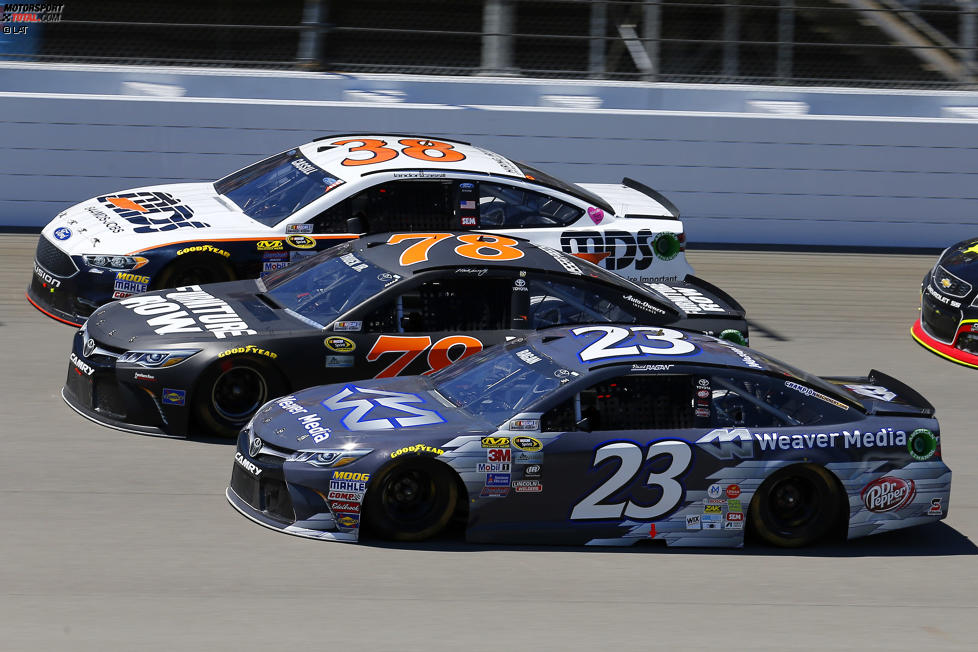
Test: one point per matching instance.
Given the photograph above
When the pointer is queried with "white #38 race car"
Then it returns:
(269, 214)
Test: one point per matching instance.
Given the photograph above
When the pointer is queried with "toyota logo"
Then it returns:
(89, 347)
(255, 447)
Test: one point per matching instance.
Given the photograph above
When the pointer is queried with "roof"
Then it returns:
(566, 348)
(419, 252)
(353, 156)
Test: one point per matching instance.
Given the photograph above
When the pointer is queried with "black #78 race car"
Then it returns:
(204, 358)
(598, 434)
(286, 207)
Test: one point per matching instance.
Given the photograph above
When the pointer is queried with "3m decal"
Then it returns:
(139, 209)
(419, 149)
(443, 353)
(474, 246)
(639, 339)
(630, 461)
(359, 408)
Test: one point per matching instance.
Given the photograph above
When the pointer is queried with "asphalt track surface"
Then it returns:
(113, 541)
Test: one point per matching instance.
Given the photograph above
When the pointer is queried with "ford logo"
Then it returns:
(255, 447)
(63, 233)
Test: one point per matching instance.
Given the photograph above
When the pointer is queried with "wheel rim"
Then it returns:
(793, 503)
(409, 496)
(237, 393)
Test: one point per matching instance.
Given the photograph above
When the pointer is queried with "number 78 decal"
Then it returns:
(410, 348)
(630, 461)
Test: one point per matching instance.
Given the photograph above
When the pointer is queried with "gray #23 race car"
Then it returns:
(290, 205)
(202, 359)
(601, 435)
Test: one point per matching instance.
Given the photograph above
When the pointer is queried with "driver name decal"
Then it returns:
(189, 310)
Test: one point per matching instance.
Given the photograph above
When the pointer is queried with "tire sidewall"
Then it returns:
(216, 269)
(760, 520)
(379, 522)
(206, 415)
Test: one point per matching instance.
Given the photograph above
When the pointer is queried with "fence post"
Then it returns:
(786, 40)
(967, 35)
(731, 38)
(599, 33)
(497, 37)
(310, 47)
(651, 31)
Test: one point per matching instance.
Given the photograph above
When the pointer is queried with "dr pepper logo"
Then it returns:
(887, 494)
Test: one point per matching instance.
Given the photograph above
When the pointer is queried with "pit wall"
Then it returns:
(745, 165)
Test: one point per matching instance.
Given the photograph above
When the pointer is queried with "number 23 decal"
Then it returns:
(638, 337)
(630, 460)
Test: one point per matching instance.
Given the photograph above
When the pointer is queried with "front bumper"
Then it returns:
(919, 332)
(114, 397)
(63, 288)
(279, 494)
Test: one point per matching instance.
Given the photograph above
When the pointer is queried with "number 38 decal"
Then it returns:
(630, 461)
(637, 340)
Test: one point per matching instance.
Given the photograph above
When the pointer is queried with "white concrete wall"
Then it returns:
(754, 173)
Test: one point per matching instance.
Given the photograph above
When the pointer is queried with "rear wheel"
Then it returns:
(795, 506)
(193, 270)
(230, 392)
(411, 501)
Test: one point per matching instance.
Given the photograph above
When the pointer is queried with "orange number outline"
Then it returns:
(417, 149)
(378, 148)
(475, 243)
(418, 252)
(409, 348)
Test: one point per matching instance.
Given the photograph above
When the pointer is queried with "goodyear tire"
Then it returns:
(795, 506)
(231, 391)
(411, 500)
(193, 270)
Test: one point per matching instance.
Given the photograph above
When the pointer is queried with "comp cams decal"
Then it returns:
(189, 310)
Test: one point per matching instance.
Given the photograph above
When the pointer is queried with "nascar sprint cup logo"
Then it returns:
(888, 494)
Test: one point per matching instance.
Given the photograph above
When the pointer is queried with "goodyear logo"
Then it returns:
(248, 349)
(270, 245)
(339, 344)
(301, 241)
(528, 444)
(204, 249)
(128, 276)
(417, 448)
(495, 442)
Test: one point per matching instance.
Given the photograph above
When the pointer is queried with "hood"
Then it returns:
(374, 413)
(219, 312)
(962, 259)
(694, 297)
(628, 200)
(129, 221)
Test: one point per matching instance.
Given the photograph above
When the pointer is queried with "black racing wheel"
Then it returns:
(795, 506)
(231, 391)
(193, 270)
(411, 500)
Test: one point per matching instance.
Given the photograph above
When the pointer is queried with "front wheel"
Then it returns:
(194, 270)
(230, 392)
(795, 506)
(411, 501)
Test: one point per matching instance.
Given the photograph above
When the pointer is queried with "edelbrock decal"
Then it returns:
(189, 310)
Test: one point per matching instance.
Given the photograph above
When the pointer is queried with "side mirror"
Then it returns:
(584, 425)
(356, 225)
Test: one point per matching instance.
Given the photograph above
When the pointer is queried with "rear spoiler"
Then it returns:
(654, 194)
(904, 391)
(910, 399)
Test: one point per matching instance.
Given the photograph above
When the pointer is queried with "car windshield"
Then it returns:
(499, 382)
(277, 187)
(325, 286)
